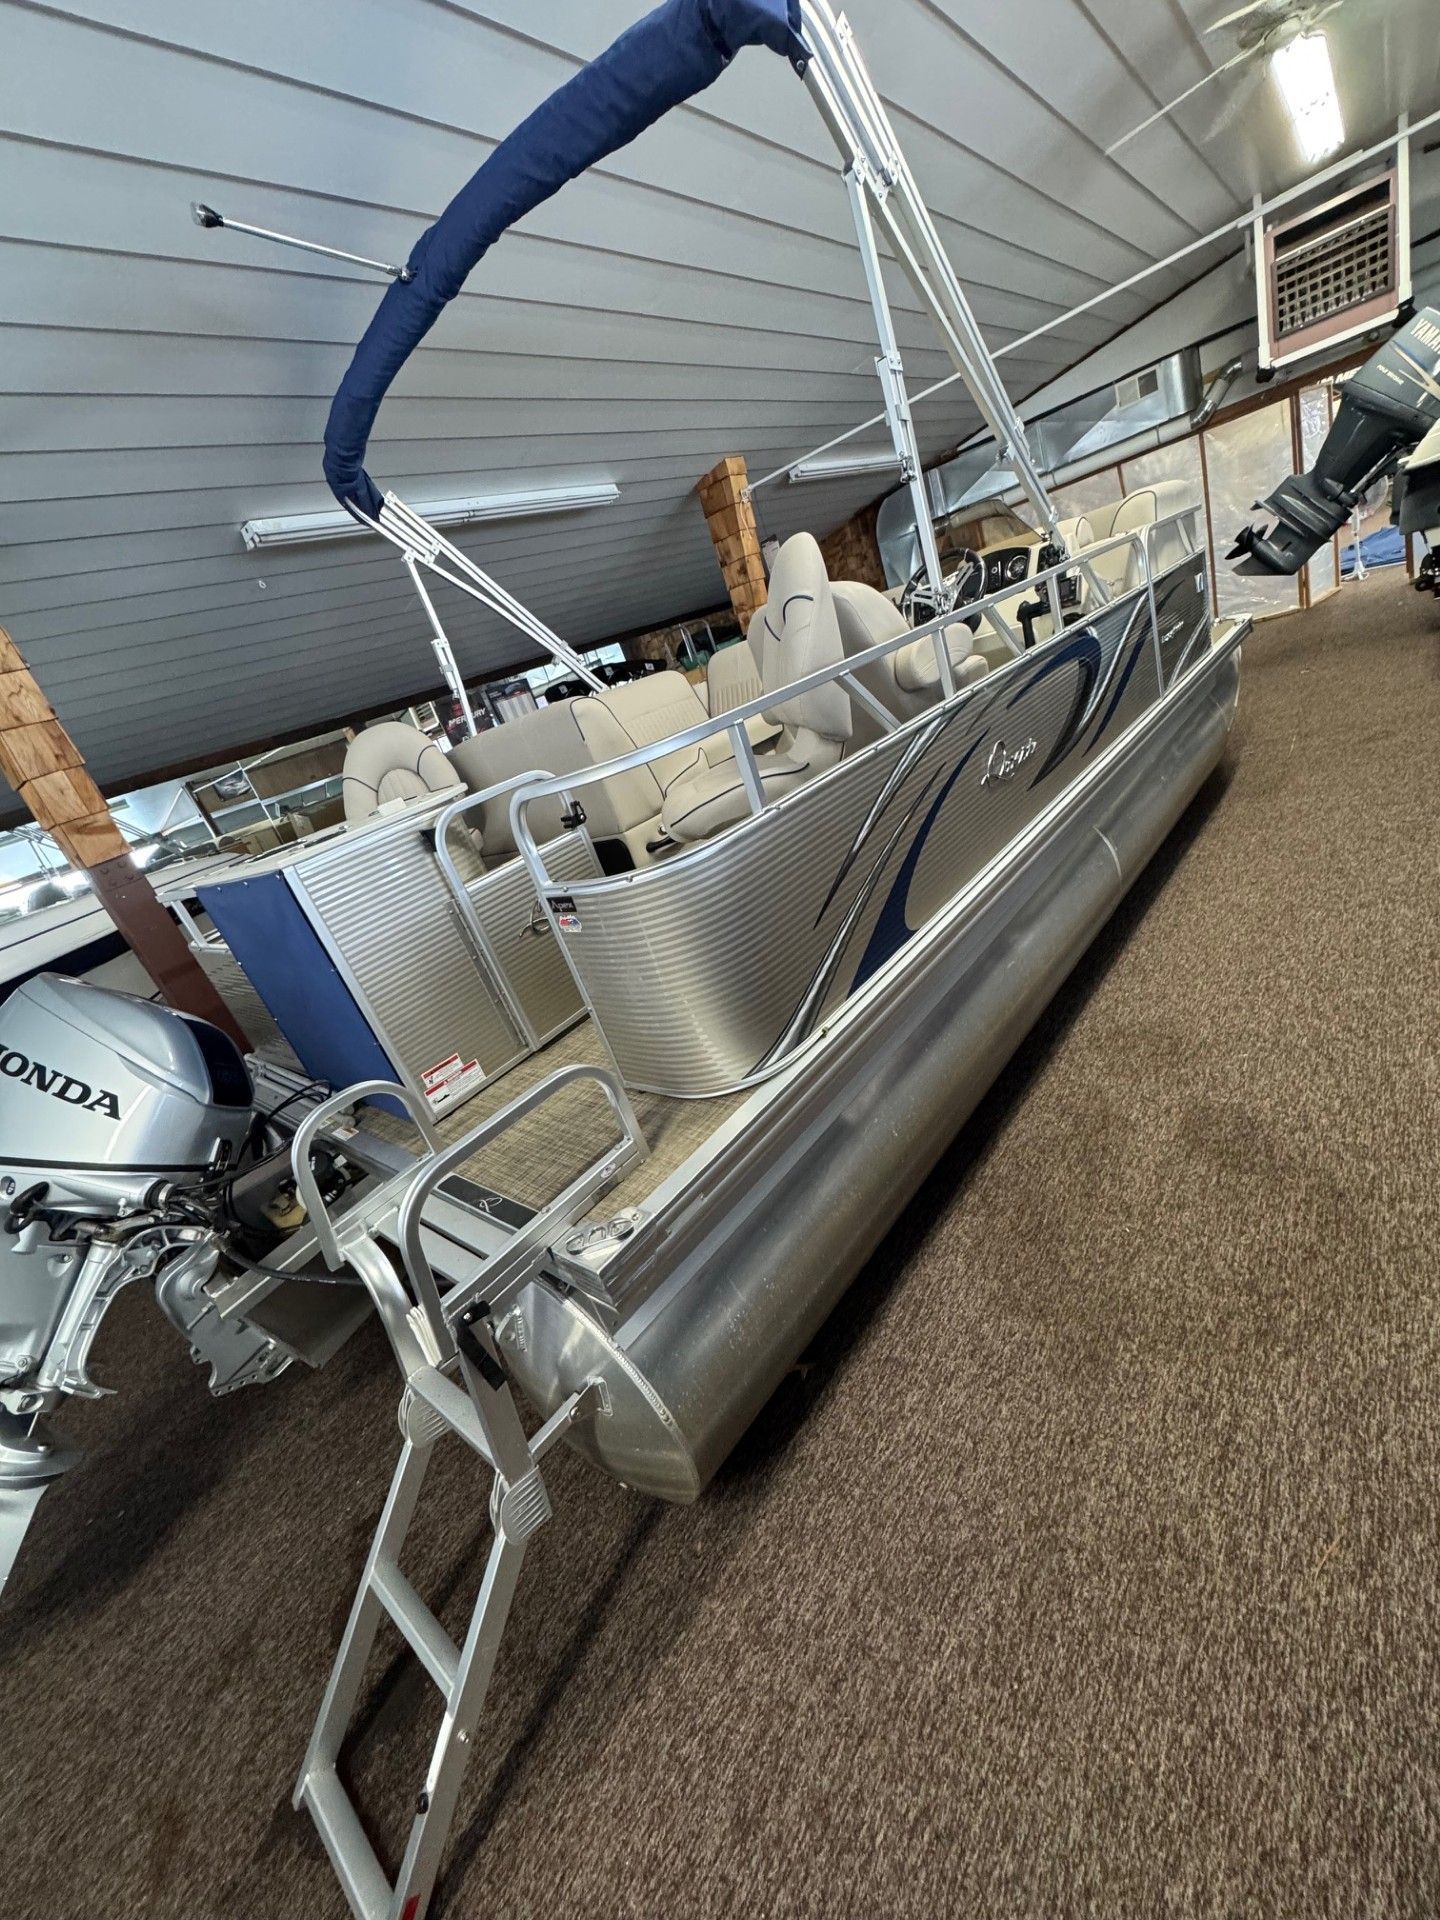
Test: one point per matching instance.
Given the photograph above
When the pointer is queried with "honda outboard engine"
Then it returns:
(125, 1130)
(1386, 409)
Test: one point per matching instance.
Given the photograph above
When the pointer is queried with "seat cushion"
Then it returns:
(548, 741)
(917, 667)
(703, 803)
(1140, 510)
(733, 677)
(655, 708)
(393, 761)
(868, 619)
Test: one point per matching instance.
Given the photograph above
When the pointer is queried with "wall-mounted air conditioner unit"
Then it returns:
(1335, 271)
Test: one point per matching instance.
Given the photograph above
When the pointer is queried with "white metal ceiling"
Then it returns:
(698, 295)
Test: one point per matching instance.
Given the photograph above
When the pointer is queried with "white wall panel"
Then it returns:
(1244, 460)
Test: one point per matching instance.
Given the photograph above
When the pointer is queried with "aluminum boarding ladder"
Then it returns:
(454, 1384)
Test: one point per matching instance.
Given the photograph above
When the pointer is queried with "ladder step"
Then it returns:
(359, 1871)
(454, 1406)
(432, 1645)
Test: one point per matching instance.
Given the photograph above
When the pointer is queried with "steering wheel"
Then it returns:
(962, 585)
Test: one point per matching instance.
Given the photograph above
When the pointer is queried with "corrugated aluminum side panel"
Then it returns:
(700, 968)
(387, 917)
(520, 936)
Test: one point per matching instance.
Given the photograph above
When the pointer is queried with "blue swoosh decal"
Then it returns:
(893, 927)
(1118, 695)
(1083, 652)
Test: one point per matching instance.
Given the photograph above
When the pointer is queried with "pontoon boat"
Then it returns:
(645, 1034)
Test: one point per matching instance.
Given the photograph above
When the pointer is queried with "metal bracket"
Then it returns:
(208, 218)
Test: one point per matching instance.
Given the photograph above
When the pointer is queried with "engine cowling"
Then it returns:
(1386, 409)
(102, 1094)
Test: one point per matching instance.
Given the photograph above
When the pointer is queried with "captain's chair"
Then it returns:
(392, 761)
(907, 681)
(1121, 568)
(797, 634)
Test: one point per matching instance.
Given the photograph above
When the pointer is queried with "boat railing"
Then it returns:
(525, 792)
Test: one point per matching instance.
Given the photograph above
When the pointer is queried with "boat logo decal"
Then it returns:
(1005, 762)
(59, 1085)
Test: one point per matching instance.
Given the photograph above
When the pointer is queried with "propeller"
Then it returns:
(1275, 23)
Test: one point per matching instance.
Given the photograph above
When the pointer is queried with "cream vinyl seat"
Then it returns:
(643, 713)
(798, 634)
(393, 761)
(907, 681)
(571, 736)
(732, 680)
(647, 711)
(733, 677)
(553, 740)
(1121, 568)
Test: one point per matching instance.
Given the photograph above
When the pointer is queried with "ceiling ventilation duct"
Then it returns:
(1334, 272)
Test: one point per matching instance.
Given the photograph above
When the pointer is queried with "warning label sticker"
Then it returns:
(451, 1079)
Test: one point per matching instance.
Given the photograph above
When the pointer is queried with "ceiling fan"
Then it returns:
(1263, 28)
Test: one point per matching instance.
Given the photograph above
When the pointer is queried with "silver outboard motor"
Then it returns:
(122, 1124)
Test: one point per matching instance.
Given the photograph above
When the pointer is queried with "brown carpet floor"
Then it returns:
(1090, 1565)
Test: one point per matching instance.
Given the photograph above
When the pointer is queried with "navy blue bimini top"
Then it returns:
(673, 53)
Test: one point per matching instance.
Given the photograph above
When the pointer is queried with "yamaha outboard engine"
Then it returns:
(1417, 505)
(1386, 409)
(124, 1128)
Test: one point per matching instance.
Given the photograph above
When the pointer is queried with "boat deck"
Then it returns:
(533, 1160)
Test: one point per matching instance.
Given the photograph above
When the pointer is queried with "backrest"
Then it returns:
(1180, 538)
(626, 801)
(1102, 519)
(733, 677)
(392, 761)
(868, 619)
(653, 709)
(548, 741)
(799, 634)
(1171, 543)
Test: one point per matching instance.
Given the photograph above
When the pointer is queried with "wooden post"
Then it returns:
(47, 770)
(730, 516)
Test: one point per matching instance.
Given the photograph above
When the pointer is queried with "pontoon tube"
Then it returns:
(694, 1364)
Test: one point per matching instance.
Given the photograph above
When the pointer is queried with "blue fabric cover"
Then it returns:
(658, 63)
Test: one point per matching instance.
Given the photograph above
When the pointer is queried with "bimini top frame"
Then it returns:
(670, 55)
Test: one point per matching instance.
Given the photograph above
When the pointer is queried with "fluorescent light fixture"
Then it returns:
(836, 466)
(1306, 81)
(299, 529)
